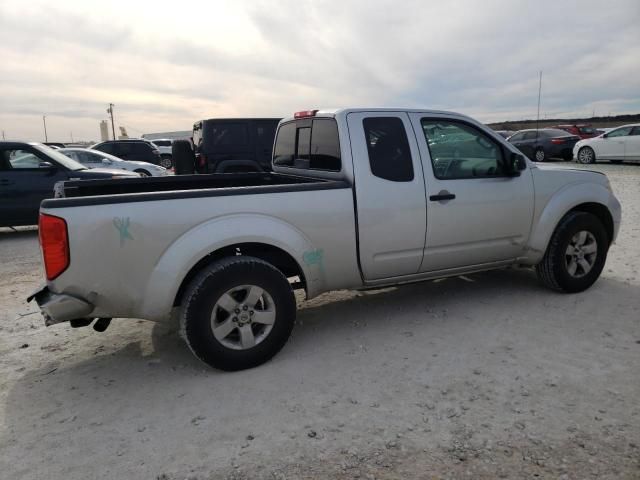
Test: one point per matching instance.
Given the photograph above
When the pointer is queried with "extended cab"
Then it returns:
(358, 198)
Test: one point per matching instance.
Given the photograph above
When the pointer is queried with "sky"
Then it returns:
(167, 64)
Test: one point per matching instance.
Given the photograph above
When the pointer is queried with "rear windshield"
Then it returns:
(162, 143)
(309, 145)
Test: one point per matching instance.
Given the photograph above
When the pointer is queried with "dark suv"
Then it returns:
(139, 150)
(234, 144)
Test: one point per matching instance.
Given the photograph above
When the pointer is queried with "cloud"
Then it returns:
(165, 68)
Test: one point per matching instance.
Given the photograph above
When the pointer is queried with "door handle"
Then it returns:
(442, 195)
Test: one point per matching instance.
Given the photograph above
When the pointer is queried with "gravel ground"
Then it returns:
(484, 376)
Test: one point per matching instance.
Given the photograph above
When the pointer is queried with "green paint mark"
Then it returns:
(122, 225)
(313, 257)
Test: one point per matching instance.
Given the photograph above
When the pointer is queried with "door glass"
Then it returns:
(461, 151)
(388, 148)
(531, 135)
(20, 159)
(517, 137)
(620, 132)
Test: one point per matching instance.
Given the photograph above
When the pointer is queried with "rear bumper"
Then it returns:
(59, 307)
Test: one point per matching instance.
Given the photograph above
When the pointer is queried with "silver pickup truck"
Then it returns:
(357, 198)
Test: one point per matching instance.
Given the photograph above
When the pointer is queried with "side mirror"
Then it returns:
(516, 164)
(106, 161)
(45, 165)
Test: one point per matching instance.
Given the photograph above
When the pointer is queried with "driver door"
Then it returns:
(611, 147)
(476, 213)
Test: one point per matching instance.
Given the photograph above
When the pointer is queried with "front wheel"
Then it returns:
(142, 172)
(586, 155)
(576, 253)
(238, 313)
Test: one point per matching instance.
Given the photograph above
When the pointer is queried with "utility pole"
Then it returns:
(44, 122)
(539, 92)
(3, 135)
(110, 112)
(71, 133)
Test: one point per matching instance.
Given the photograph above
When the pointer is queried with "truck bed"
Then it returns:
(99, 192)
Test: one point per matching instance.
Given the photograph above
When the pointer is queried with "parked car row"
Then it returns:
(28, 174)
(581, 143)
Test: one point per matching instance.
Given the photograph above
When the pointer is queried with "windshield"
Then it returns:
(60, 158)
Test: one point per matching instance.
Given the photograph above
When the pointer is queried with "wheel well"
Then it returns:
(599, 211)
(273, 255)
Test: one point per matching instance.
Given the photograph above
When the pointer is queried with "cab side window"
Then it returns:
(461, 151)
(388, 148)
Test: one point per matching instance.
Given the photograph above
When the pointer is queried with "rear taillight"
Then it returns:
(54, 242)
(558, 141)
(202, 160)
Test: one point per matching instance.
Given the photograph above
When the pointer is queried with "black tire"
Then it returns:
(586, 155)
(553, 270)
(166, 161)
(539, 155)
(142, 172)
(206, 290)
(183, 157)
(616, 161)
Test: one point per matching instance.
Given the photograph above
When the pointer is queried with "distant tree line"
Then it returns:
(602, 122)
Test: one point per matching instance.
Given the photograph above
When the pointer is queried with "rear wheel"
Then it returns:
(539, 155)
(238, 313)
(166, 161)
(576, 253)
(586, 155)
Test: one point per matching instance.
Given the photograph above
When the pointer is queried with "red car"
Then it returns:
(583, 131)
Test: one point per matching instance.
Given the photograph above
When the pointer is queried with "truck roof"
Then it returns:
(334, 112)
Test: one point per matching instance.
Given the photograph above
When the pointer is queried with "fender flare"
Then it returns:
(561, 203)
(200, 241)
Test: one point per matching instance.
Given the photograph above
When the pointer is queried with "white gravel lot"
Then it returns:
(485, 377)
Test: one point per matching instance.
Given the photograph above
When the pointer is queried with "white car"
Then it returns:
(95, 158)
(621, 144)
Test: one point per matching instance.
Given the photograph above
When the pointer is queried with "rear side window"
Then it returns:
(308, 145)
(388, 147)
(105, 147)
(162, 143)
(227, 134)
(141, 148)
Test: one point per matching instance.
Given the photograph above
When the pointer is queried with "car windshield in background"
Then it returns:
(161, 143)
(61, 158)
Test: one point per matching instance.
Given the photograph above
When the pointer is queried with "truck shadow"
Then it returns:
(115, 394)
